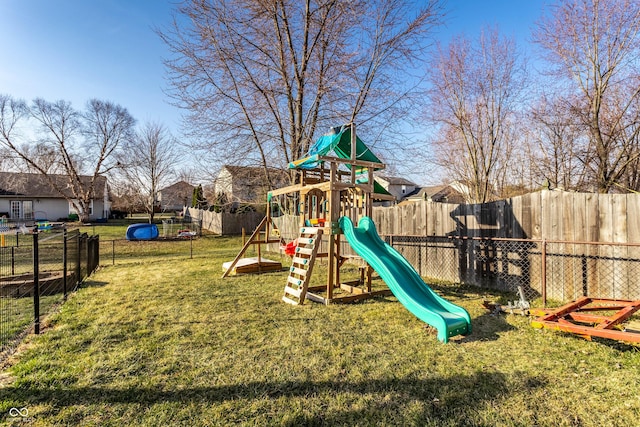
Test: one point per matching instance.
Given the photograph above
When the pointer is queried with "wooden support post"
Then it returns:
(354, 206)
(337, 256)
(303, 209)
(353, 152)
(267, 224)
(331, 266)
(369, 193)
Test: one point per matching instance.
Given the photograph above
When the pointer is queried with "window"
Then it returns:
(404, 189)
(15, 209)
(27, 209)
(21, 209)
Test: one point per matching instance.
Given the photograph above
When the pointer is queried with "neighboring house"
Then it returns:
(397, 187)
(454, 192)
(175, 197)
(28, 197)
(247, 185)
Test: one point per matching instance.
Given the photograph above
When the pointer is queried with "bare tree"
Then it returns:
(125, 197)
(473, 99)
(11, 113)
(187, 174)
(74, 143)
(148, 163)
(260, 80)
(594, 46)
(557, 145)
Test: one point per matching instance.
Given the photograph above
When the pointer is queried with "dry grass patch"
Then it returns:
(165, 341)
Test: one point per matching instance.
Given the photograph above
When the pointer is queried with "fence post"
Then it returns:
(36, 282)
(191, 249)
(13, 261)
(543, 263)
(420, 259)
(89, 255)
(79, 260)
(96, 249)
(64, 261)
(113, 252)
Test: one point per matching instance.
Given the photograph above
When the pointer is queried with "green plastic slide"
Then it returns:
(404, 281)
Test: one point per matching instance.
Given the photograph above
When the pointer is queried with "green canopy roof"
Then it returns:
(337, 140)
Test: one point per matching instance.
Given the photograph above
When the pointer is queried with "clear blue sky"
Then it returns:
(81, 49)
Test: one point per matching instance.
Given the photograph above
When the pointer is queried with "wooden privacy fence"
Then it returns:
(556, 245)
(223, 222)
(544, 215)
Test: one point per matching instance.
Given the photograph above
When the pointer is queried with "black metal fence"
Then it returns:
(122, 251)
(37, 272)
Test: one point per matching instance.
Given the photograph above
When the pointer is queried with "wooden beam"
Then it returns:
(244, 248)
(353, 298)
(286, 190)
(361, 163)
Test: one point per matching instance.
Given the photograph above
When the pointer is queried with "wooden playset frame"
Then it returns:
(326, 193)
(591, 317)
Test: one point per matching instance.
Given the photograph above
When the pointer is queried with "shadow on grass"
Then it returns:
(93, 284)
(620, 346)
(487, 327)
(458, 291)
(457, 396)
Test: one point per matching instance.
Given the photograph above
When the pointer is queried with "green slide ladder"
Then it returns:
(404, 281)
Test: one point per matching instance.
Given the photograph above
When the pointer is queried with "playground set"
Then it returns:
(335, 195)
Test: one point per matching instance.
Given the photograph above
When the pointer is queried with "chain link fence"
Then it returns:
(37, 272)
(175, 228)
(557, 271)
(546, 270)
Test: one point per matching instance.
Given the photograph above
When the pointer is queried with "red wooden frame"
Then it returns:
(577, 317)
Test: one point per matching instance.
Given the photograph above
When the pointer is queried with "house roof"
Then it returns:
(394, 180)
(423, 192)
(436, 193)
(255, 174)
(235, 170)
(178, 187)
(176, 194)
(38, 185)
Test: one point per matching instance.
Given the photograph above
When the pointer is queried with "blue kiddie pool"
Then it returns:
(142, 232)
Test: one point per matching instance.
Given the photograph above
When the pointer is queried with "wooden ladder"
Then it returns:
(302, 265)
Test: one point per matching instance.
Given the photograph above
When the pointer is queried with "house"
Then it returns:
(247, 185)
(397, 187)
(175, 197)
(445, 193)
(29, 197)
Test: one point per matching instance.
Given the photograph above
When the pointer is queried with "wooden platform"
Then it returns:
(354, 291)
(252, 265)
(593, 317)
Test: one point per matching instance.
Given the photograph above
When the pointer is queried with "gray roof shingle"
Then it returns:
(37, 185)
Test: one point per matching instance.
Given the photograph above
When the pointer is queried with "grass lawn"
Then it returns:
(158, 341)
